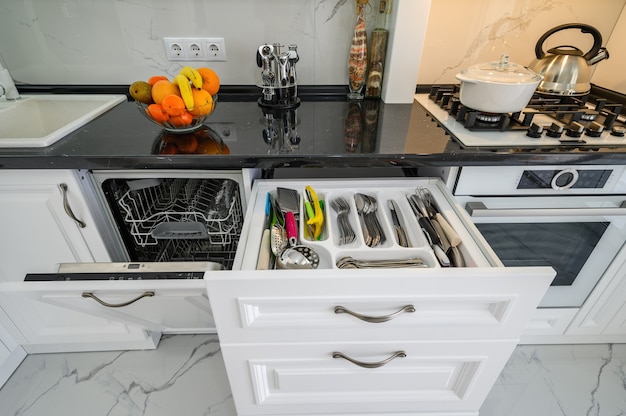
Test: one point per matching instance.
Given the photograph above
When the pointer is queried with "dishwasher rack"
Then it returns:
(181, 219)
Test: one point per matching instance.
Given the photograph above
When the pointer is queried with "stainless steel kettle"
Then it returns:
(566, 69)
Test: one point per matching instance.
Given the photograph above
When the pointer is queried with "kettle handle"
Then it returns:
(597, 39)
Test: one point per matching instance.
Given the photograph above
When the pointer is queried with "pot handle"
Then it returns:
(597, 39)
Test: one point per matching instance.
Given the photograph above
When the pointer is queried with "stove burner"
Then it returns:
(489, 117)
(570, 111)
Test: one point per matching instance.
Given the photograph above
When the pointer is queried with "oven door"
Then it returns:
(578, 236)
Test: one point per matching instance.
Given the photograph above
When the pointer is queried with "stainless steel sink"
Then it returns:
(41, 120)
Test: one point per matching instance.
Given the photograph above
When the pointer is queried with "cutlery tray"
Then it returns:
(328, 245)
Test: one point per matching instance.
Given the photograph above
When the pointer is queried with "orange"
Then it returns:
(169, 149)
(187, 143)
(153, 80)
(210, 80)
(156, 113)
(173, 105)
(202, 102)
(210, 146)
(162, 89)
(184, 119)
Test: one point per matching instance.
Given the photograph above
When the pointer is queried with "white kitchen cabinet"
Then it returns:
(162, 306)
(423, 378)
(11, 353)
(603, 316)
(447, 332)
(46, 221)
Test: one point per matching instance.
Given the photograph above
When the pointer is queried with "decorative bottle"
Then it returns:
(378, 50)
(357, 62)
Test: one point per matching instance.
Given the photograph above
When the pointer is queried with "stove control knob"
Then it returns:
(594, 130)
(555, 130)
(534, 131)
(574, 129)
(618, 131)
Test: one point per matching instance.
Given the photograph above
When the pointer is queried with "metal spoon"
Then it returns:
(278, 239)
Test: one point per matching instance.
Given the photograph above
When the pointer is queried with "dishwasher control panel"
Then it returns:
(127, 271)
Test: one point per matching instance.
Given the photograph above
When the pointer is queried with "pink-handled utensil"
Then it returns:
(291, 228)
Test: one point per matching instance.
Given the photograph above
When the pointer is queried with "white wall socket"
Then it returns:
(195, 49)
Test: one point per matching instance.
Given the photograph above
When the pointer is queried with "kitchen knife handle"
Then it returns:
(263, 261)
(453, 237)
(428, 228)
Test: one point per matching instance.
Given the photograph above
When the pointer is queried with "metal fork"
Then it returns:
(346, 233)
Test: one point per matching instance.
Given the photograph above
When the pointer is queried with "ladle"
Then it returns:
(298, 257)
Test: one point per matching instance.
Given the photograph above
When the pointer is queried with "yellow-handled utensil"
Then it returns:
(317, 221)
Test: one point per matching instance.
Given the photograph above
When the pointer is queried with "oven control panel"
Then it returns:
(564, 179)
(541, 180)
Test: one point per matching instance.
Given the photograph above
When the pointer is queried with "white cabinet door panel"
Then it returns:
(164, 306)
(472, 303)
(38, 234)
(276, 379)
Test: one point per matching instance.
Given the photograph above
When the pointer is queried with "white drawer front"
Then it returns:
(161, 306)
(472, 303)
(306, 379)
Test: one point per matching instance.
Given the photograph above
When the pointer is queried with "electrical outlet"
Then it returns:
(175, 49)
(195, 49)
(215, 49)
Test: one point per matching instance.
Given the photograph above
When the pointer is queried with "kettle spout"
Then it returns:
(600, 56)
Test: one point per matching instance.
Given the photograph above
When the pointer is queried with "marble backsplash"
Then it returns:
(463, 33)
(119, 41)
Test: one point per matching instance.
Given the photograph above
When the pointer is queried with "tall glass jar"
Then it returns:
(357, 62)
(378, 50)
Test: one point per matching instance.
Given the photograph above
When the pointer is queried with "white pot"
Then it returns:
(497, 87)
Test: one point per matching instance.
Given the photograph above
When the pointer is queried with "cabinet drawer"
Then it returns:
(276, 379)
(472, 303)
(481, 301)
(160, 306)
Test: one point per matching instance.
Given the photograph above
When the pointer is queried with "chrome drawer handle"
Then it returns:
(397, 354)
(68, 209)
(116, 305)
(375, 319)
(478, 209)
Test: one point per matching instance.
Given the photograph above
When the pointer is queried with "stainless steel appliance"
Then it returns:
(572, 218)
(546, 122)
(566, 70)
(170, 216)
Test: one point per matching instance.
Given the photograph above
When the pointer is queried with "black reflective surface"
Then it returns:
(334, 133)
(564, 246)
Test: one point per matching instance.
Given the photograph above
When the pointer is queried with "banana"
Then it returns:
(185, 90)
(193, 75)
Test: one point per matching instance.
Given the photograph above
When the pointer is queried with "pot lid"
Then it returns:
(502, 71)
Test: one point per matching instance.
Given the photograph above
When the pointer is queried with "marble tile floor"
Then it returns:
(186, 376)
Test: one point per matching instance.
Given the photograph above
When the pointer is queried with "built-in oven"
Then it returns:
(572, 218)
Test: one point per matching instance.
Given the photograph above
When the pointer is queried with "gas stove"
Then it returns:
(546, 122)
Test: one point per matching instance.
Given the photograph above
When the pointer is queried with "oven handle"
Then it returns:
(478, 209)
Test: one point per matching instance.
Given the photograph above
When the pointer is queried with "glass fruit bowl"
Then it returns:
(203, 141)
(184, 123)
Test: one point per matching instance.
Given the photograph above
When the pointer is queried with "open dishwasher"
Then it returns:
(170, 216)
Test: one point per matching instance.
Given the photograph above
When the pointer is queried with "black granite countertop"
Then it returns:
(387, 135)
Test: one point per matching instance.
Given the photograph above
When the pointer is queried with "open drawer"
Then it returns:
(482, 300)
(473, 249)
(437, 336)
